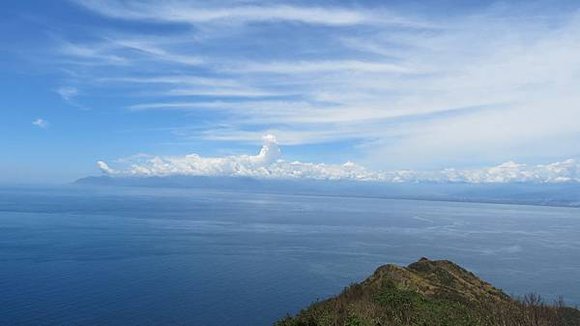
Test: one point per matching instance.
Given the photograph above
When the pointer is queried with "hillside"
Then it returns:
(434, 293)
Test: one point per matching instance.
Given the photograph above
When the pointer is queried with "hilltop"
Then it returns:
(434, 293)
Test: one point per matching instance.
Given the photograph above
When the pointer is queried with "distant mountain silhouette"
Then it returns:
(517, 193)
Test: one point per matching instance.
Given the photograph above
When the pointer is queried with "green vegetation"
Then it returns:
(430, 293)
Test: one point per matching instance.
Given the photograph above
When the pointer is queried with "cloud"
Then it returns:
(447, 89)
(41, 123)
(104, 167)
(198, 12)
(268, 163)
(510, 172)
(67, 93)
(90, 54)
(149, 49)
(309, 67)
(191, 86)
(194, 164)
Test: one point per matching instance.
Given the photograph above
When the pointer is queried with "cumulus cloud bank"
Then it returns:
(268, 163)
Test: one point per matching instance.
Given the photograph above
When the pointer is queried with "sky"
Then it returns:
(339, 89)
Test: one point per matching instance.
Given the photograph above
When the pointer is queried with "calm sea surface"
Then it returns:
(73, 256)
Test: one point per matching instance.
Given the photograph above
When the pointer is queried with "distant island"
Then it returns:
(434, 293)
(564, 195)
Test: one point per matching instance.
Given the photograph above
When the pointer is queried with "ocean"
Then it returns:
(75, 255)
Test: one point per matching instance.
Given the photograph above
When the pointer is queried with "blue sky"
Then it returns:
(386, 84)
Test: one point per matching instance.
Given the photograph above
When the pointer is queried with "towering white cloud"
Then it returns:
(104, 167)
(268, 163)
(270, 151)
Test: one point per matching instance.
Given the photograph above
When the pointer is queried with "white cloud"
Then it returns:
(150, 49)
(198, 12)
(91, 53)
(309, 67)
(268, 163)
(67, 93)
(104, 167)
(558, 172)
(41, 123)
(484, 87)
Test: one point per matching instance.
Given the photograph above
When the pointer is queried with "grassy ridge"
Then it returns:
(434, 293)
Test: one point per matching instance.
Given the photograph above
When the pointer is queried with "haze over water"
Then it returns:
(159, 256)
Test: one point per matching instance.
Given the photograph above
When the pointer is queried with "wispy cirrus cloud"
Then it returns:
(314, 67)
(68, 93)
(41, 123)
(198, 12)
(463, 89)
